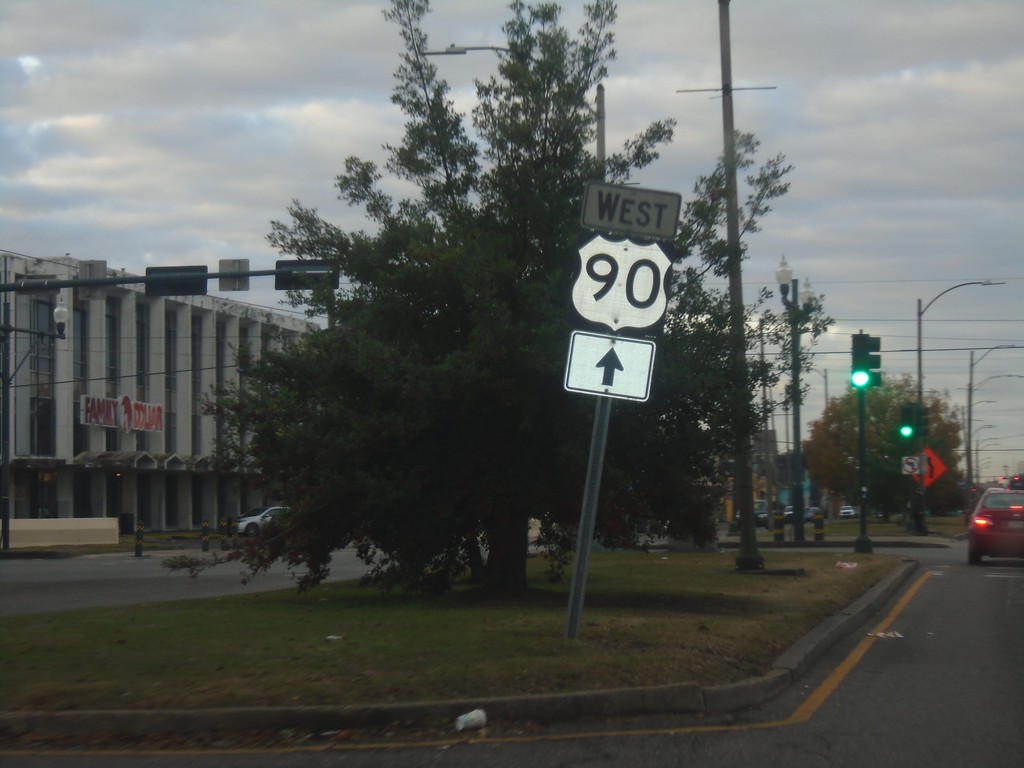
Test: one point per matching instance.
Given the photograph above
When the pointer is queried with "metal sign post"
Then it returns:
(588, 516)
(621, 284)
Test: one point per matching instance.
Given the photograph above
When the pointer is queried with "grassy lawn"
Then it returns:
(650, 618)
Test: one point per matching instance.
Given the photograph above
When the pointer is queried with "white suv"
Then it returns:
(256, 522)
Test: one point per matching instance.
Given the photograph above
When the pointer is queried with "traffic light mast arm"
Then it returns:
(286, 270)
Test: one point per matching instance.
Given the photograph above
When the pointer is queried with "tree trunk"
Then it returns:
(477, 569)
(508, 536)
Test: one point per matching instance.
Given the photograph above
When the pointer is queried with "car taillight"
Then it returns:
(982, 522)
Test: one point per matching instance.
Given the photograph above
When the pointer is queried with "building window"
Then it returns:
(142, 352)
(221, 365)
(113, 335)
(79, 348)
(197, 386)
(142, 366)
(79, 373)
(42, 365)
(112, 330)
(170, 379)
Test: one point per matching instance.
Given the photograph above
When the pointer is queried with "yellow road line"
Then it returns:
(806, 710)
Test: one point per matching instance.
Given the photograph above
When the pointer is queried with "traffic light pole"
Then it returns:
(917, 501)
(865, 373)
(863, 542)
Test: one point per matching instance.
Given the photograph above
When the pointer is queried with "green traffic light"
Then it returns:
(908, 419)
(860, 378)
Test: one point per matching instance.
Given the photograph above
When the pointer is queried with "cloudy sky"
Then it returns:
(164, 133)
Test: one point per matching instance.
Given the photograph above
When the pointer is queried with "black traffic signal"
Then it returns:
(866, 361)
(922, 421)
(176, 281)
(304, 274)
(908, 420)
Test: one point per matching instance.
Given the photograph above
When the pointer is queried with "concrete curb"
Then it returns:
(811, 646)
(546, 708)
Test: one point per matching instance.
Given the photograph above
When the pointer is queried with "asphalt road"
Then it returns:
(942, 688)
(60, 584)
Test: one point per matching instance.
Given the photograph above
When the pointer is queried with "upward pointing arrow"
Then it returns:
(611, 363)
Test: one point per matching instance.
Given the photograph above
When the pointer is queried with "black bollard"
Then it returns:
(138, 539)
(819, 526)
(206, 535)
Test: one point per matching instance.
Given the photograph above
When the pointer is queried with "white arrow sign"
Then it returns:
(621, 284)
(612, 366)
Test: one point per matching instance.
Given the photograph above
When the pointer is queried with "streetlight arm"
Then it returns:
(958, 285)
(461, 50)
(999, 376)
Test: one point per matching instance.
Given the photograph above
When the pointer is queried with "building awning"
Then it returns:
(170, 462)
(199, 463)
(115, 460)
(37, 462)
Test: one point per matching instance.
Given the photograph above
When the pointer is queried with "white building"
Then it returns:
(108, 422)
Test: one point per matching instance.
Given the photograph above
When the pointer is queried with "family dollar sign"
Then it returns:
(642, 213)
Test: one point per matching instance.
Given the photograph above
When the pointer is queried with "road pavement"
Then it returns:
(42, 583)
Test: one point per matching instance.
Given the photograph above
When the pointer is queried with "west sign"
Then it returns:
(642, 213)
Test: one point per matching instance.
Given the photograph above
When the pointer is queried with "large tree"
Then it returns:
(832, 448)
(428, 424)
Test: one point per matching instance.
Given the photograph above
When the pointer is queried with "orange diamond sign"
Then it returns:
(934, 469)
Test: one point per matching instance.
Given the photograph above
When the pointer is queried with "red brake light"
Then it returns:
(982, 522)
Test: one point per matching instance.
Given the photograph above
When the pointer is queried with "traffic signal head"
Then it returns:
(908, 419)
(176, 281)
(866, 361)
(303, 274)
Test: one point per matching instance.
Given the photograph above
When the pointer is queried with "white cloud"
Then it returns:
(149, 132)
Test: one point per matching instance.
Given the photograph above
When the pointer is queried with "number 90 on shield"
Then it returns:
(621, 284)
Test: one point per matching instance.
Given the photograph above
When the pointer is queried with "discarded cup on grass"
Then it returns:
(475, 719)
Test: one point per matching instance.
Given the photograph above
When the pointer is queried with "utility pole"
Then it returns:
(748, 558)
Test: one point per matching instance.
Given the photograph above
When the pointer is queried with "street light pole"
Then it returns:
(919, 440)
(796, 308)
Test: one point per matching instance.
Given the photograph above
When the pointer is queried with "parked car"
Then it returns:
(762, 518)
(996, 527)
(809, 513)
(847, 513)
(257, 521)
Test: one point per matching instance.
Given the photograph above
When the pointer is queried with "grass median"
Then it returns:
(649, 618)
